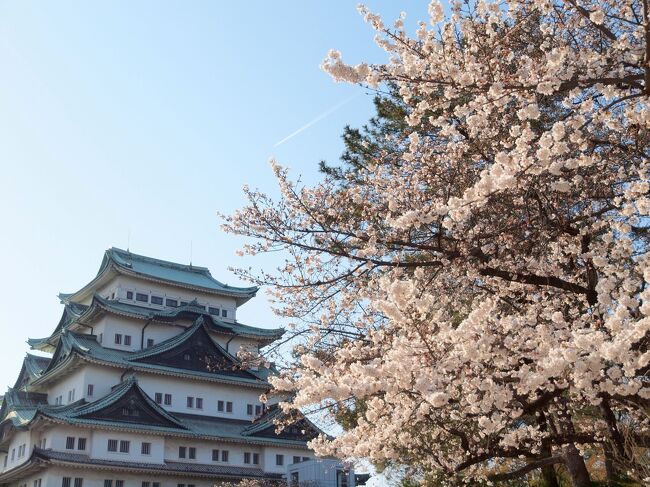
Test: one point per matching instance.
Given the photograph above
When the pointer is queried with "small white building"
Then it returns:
(320, 473)
(142, 387)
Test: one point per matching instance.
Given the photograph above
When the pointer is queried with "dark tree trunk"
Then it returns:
(548, 471)
(610, 467)
(550, 477)
(575, 464)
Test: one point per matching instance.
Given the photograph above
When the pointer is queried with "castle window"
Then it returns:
(143, 298)
(184, 303)
(78, 482)
(91, 389)
(305, 459)
(118, 339)
(224, 455)
(180, 485)
(124, 446)
(296, 459)
(127, 340)
(258, 410)
(69, 443)
(101, 338)
(119, 483)
(158, 397)
(81, 443)
(187, 357)
(247, 457)
(156, 300)
(155, 484)
(191, 453)
(13, 454)
(172, 303)
(229, 407)
(213, 311)
(112, 445)
(146, 483)
(129, 295)
(199, 403)
(182, 451)
(108, 483)
(279, 459)
(168, 399)
(215, 455)
(249, 409)
(256, 458)
(146, 448)
(224, 313)
(126, 411)
(220, 406)
(149, 342)
(66, 481)
(190, 402)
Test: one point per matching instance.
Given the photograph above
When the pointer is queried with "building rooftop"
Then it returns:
(74, 312)
(182, 275)
(127, 407)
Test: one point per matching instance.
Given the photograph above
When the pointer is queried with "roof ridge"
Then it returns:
(119, 391)
(164, 262)
(179, 340)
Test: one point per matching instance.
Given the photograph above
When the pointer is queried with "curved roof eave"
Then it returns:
(179, 275)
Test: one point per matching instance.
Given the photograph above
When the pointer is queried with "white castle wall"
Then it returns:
(211, 393)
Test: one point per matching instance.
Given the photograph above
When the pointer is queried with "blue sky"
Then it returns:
(147, 118)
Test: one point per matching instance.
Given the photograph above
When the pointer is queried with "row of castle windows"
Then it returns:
(21, 453)
(70, 443)
(142, 297)
(145, 483)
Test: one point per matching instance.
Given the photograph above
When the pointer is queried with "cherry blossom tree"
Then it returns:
(478, 281)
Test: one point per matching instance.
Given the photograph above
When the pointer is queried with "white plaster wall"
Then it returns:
(210, 392)
(121, 284)
(102, 379)
(55, 438)
(30, 480)
(99, 447)
(95, 478)
(20, 438)
(204, 452)
(269, 453)
(160, 332)
(109, 325)
(61, 388)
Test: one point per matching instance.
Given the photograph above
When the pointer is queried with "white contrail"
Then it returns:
(316, 120)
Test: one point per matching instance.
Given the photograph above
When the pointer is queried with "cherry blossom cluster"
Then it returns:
(483, 289)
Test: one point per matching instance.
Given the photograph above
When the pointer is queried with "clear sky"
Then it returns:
(147, 117)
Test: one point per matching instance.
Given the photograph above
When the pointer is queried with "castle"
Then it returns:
(142, 386)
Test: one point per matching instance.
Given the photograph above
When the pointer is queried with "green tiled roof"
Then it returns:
(189, 310)
(87, 347)
(215, 472)
(183, 275)
(76, 414)
(22, 408)
(171, 271)
(33, 367)
(76, 312)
